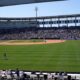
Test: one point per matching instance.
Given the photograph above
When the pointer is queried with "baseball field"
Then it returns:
(62, 56)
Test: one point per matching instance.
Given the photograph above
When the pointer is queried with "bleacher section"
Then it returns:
(71, 33)
(36, 75)
(50, 27)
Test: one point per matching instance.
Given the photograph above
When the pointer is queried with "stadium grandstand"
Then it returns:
(64, 27)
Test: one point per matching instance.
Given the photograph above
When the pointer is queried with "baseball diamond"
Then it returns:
(41, 57)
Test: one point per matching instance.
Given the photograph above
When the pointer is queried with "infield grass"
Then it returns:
(22, 41)
(47, 57)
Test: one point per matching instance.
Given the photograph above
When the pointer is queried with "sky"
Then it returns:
(44, 9)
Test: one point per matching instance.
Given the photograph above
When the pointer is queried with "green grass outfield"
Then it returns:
(48, 57)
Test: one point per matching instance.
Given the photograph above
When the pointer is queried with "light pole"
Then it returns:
(36, 10)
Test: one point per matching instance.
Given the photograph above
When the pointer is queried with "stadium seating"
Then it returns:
(71, 33)
(24, 75)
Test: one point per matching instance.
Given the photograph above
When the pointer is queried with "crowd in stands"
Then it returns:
(40, 33)
(24, 75)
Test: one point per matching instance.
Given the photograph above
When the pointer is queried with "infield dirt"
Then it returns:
(30, 43)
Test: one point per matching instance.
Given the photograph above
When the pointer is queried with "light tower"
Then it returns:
(36, 11)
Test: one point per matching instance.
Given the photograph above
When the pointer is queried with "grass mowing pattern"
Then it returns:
(51, 57)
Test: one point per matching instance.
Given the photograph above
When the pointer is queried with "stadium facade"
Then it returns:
(47, 21)
(64, 27)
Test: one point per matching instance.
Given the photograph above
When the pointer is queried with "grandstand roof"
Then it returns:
(46, 17)
(17, 2)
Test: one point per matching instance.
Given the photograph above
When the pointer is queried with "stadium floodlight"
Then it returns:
(17, 2)
(36, 10)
